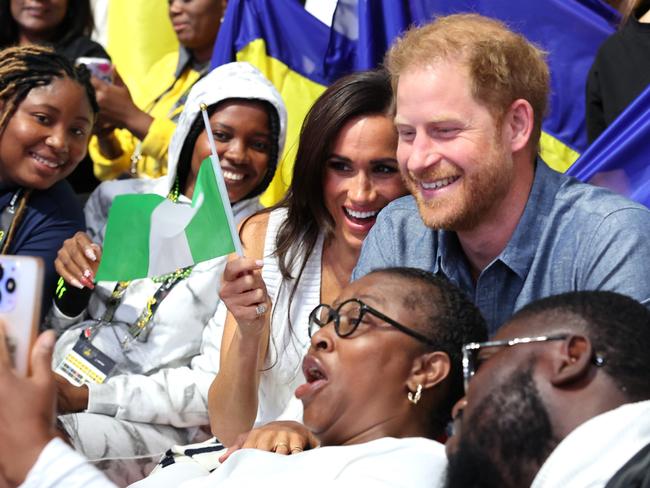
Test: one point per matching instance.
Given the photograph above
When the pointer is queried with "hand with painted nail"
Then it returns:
(77, 260)
(244, 293)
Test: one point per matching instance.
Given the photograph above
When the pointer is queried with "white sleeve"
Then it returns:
(96, 212)
(59, 465)
(171, 396)
(60, 322)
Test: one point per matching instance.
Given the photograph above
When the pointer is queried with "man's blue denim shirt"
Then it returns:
(571, 236)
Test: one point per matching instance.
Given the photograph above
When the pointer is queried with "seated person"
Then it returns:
(47, 111)
(65, 26)
(372, 413)
(150, 400)
(345, 173)
(133, 135)
(485, 210)
(560, 397)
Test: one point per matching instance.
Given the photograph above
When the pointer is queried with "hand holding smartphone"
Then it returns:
(21, 287)
(98, 67)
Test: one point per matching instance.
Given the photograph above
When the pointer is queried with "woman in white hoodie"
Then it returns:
(154, 396)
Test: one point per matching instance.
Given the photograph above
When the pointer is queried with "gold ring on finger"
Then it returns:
(280, 444)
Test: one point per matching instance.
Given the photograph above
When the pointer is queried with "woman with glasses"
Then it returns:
(302, 251)
(370, 413)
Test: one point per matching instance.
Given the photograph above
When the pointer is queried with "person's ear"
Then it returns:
(574, 362)
(518, 124)
(429, 370)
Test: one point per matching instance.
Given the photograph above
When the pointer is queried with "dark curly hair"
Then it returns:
(452, 320)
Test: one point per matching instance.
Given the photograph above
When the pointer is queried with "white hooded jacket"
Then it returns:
(165, 379)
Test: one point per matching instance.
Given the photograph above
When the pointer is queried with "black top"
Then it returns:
(51, 216)
(621, 71)
(635, 473)
(81, 46)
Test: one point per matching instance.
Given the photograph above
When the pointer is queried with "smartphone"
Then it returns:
(99, 67)
(21, 288)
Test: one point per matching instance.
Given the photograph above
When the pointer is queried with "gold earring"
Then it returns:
(414, 399)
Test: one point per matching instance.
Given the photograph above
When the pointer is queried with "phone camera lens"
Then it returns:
(11, 285)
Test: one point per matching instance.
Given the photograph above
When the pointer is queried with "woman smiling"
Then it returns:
(47, 111)
(302, 251)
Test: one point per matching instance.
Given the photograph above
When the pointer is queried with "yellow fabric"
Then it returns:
(139, 35)
(299, 94)
(153, 160)
(556, 154)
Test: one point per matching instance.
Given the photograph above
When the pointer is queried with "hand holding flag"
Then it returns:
(148, 235)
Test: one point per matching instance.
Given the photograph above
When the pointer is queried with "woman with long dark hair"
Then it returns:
(65, 25)
(302, 251)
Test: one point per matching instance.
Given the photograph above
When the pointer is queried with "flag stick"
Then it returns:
(221, 184)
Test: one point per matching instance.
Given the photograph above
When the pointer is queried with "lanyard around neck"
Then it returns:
(8, 216)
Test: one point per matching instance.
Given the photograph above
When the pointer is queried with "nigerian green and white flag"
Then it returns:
(148, 235)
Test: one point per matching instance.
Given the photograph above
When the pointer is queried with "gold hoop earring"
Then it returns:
(414, 399)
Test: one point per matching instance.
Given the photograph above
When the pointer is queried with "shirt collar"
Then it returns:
(185, 60)
(451, 260)
(520, 251)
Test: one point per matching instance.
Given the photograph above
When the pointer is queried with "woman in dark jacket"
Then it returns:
(64, 25)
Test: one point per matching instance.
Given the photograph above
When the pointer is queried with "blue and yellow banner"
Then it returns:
(620, 158)
(301, 56)
(289, 46)
(570, 31)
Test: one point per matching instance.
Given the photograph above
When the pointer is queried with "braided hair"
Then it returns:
(26, 67)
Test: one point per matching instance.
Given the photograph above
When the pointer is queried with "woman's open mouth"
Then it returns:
(315, 376)
(360, 220)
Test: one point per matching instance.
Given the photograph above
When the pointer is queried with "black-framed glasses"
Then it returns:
(471, 362)
(349, 314)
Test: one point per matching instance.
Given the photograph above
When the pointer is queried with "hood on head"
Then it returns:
(232, 80)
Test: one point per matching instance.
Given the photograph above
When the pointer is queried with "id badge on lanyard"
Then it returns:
(85, 363)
